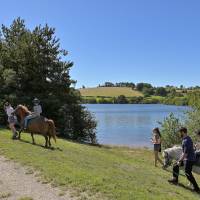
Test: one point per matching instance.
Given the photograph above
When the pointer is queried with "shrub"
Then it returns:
(169, 131)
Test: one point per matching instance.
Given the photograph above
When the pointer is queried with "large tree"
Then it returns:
(32, 64)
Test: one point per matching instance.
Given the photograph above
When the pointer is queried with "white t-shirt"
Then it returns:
(37, 109)
(9, 110)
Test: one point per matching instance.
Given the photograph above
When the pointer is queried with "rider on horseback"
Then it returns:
(37, 110)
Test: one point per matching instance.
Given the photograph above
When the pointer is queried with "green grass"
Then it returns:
(26, 198)
(117, 173)
(110, 92)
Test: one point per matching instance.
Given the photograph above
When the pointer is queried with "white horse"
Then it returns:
(174, 154)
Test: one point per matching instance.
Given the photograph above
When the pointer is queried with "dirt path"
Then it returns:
(16, 183)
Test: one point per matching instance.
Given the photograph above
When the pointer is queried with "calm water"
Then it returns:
(129, 124)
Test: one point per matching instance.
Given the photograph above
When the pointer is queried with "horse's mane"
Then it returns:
(24, 108)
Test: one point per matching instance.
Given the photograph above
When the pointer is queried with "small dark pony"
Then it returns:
(39, 125)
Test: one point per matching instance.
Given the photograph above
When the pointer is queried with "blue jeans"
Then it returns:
(26, 119)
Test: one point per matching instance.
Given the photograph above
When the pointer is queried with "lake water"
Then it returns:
(130, 124)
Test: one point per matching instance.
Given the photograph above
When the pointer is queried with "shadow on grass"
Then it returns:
(170, 171)
(181, 184)
(39, 145)
(82, 142)
(185, 187)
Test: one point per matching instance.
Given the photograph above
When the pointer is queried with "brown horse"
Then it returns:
(39, 125)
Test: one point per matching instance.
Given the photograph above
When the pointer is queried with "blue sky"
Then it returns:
(155, 41)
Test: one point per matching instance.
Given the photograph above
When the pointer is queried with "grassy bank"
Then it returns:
(110, 92)
(96, 172)
(111, 95)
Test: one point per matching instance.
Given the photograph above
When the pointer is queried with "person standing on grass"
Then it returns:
(156, 140)
(187, 160)
(11, 118)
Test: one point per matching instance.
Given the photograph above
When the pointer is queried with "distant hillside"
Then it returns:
(110, 92)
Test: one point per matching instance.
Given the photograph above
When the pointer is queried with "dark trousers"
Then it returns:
(188, 172)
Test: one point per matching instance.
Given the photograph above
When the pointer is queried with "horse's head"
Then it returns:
(21, 111)
(171, 154)
(167, 159)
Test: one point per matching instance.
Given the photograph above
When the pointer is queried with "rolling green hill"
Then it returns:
(110, 92)
(96, 173)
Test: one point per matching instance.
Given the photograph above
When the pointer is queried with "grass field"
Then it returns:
(110, 92)
(91, 172)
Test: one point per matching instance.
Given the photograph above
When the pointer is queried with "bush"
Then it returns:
(192, 122)
(89, 100)
(121, 99)
(77, 123)
(169, 131)
(179, 101)
(103, 100)
(161, 91)
(136, 100)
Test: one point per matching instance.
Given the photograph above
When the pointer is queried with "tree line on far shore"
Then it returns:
(151, 95)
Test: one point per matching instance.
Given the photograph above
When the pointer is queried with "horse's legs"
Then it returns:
(49, 140)
(46, 141)
(33, 140)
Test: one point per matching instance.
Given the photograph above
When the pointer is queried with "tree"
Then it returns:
(109, 84)
(32, 64)
(141, 86)
(170, 131)
(122, 99)
(161, 91)
(148, 91)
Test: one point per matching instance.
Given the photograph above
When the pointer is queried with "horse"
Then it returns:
(39, 125)
(174, 154)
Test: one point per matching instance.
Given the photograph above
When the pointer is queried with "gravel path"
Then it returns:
(16, 183)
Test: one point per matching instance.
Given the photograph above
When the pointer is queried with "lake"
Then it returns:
(130, 124)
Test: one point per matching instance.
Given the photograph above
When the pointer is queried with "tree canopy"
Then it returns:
(32, 64)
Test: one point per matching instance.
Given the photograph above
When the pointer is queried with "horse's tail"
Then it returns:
(52, 129)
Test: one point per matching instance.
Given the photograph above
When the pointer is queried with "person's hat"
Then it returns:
(36, 100)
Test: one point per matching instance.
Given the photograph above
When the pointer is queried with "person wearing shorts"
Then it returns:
(156, 140)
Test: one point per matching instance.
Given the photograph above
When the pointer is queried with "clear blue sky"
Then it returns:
(155, 41)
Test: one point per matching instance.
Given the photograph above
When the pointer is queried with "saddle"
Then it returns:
(34, 117)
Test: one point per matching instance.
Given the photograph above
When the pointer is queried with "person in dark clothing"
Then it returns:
(187, 160)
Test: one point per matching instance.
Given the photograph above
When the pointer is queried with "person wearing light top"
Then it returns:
(11, 118)
(37, 110)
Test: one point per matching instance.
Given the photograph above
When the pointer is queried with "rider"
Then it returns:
(187, 160)
(37, 110)
(11, 118)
